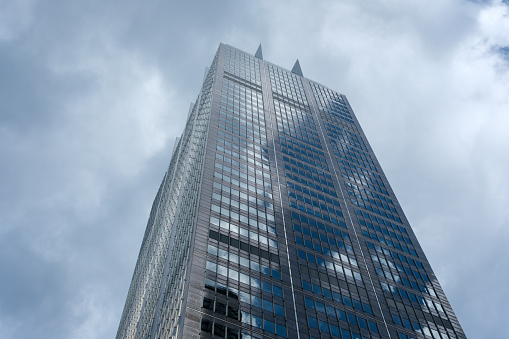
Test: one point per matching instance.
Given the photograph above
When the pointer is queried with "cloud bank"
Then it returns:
(92, 96)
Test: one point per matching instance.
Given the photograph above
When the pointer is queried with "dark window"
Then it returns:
(312, 322)
(373, 327)
(220, 308)
(219, 330)
(206, 325)
(208, 304)
(351, 319)
(233, 312)
(232, 334)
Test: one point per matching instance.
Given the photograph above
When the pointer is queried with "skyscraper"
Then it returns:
(275, 220)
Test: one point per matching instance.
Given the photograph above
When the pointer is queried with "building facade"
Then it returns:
(275, 220)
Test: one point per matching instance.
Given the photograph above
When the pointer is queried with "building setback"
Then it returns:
(275, 220)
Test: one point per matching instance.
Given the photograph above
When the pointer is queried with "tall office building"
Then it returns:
(275, 220)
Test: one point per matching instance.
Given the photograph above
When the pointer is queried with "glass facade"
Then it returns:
(275, 220)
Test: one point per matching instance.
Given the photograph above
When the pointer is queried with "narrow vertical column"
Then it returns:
(349, 213)
(270, 115)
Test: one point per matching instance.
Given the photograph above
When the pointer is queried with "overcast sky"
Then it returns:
(94, 93)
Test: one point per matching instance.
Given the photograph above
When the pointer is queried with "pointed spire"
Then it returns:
(296, 68)
(258, 53)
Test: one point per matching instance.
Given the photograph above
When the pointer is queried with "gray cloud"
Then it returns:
(92, 96)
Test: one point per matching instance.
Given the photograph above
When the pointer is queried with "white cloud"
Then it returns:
(425, 79)
(92, 315)
(15, 18)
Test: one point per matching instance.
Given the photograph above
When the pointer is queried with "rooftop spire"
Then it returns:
(258, 53)
(296, 68)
